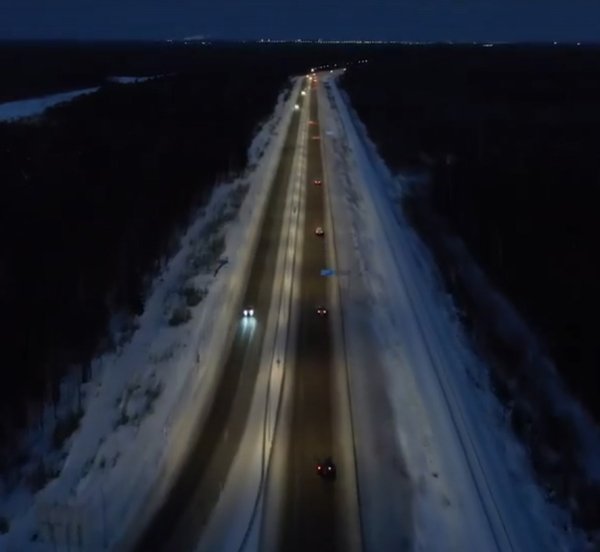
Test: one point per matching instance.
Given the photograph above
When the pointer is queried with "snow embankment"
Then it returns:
(145, 400)
(438, 468)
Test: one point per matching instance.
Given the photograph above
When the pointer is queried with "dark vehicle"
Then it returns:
(321, 311)
(317, 182)
(326, 469)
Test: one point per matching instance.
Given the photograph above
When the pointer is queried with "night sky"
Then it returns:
(410, 20)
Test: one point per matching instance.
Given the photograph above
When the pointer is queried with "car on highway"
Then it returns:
(321, 310)
(319, 231)
(317, 182)
(248, 312)
(326, 469)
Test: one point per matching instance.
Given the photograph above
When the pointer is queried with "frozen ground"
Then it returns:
(142, 400)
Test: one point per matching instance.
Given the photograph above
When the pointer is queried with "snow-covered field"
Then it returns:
(438, 468)
(130, 80)
(19, 109)
(144, 400)
(11, 111)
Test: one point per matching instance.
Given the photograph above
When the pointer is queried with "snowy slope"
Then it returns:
(142, 403)
(437, 467)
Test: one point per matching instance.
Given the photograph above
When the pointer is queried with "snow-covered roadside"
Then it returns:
(144, 400)
(437, 443)
(384, 494)
(11, 111)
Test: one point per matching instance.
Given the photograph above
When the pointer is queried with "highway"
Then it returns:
(302, 510)
(309, 503)
(178, 523)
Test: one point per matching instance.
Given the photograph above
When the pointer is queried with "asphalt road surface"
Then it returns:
(309, 521)
(178, 523)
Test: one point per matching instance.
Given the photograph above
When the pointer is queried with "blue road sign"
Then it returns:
(327, 272)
